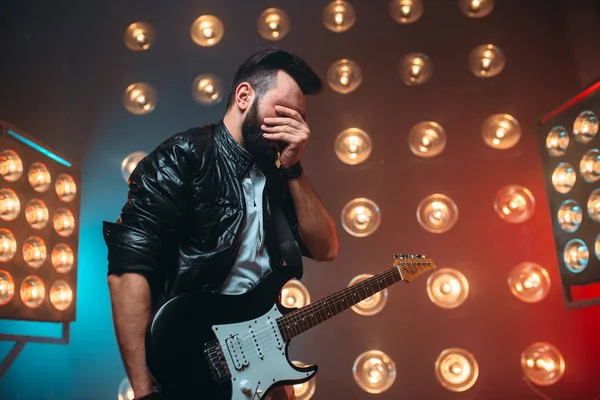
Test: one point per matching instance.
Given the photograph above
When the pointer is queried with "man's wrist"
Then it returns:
(291, 172)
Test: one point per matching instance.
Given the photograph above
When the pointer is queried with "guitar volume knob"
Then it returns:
(245, 386)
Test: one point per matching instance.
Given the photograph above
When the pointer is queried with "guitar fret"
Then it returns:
(301, 320)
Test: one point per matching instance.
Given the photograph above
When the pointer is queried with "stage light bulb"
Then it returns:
(140, 98)
(437, 213)
(7, 288)
(361, 217)
(207, 30)
(353, 146)
(597, 247)
(589, 166)
(415, 69)
(39, 177)
(427, 139)
(10, 205)
(542, 363)
(294, 294)
(476, 8)
(564, 177)
(125, 391)
(338, 16)
(140, 36)
(406, 11)
(273, 24)
(374, 371)
(207, 89)
(569, 216)
(65, 187)
(34, 251)
(447, 288)
(514, 204)
(62, 258)
(585, 127)
(557, 141)
(456, 369)
(486, 61)
(61, 295)
(529, 282)
(11, 166)
(576, 255)
(306, 390)
(501, 131)
(130, 162)
(344, 76)
(36, 214)
(32, 291)
(371, 305)
(64, 222)
(593, 205)
(8, 245)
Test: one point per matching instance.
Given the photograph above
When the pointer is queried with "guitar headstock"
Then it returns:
(413, 265)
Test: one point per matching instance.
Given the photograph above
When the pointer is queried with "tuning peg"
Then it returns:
(398, 256)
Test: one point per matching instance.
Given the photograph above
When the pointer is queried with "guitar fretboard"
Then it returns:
(299, 321)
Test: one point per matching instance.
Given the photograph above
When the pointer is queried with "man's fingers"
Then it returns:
(284, 137)
(283, 121)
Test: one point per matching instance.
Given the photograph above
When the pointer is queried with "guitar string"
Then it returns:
(269, 344)
(264, 332)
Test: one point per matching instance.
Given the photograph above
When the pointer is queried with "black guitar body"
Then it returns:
(176, 343)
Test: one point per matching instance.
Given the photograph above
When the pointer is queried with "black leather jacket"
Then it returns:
(182, 223)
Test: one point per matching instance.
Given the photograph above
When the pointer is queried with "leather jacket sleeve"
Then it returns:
(144, 238)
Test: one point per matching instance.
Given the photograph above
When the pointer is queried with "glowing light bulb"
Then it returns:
(405, 11)
(207, 30)
(338, 16)
(273, 24)
(140, 36)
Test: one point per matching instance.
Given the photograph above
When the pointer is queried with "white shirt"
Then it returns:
(252, 260)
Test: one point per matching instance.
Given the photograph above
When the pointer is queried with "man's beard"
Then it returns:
(259, 147)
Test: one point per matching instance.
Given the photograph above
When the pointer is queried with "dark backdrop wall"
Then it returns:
(63, 73)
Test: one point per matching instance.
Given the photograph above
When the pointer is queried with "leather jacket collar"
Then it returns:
(243, 160)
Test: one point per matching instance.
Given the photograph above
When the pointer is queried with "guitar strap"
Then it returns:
(288, 247)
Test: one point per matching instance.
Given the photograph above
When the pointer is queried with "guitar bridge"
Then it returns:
(217, 364)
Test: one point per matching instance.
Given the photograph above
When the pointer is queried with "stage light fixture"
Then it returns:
(207, 30)
(476, 8)
(456, 369)
(344, 76)
(427, 139)
(529, 282)
(130, 162)
(306, 390)
(36, 186)
(273, 24)
(447, 288)
(542, 363)
(338, 16)
(405, 11)
(486, 61)
(207, 89)
(294, 294)
(568, 144)
(140, 98)
(514, 204)
(140, 36)
(371, 305)
(374, 371)
(415, 69)
(437, 213)
(353, 146)
(501, 131)
(361, 217)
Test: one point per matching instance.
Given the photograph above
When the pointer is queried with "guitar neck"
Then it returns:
(296, 322)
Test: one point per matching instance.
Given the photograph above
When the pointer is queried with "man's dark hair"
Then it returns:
(260, 71)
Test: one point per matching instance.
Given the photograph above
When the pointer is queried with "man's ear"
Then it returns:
(244, 94)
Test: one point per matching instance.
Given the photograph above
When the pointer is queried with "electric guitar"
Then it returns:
(234, 347)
